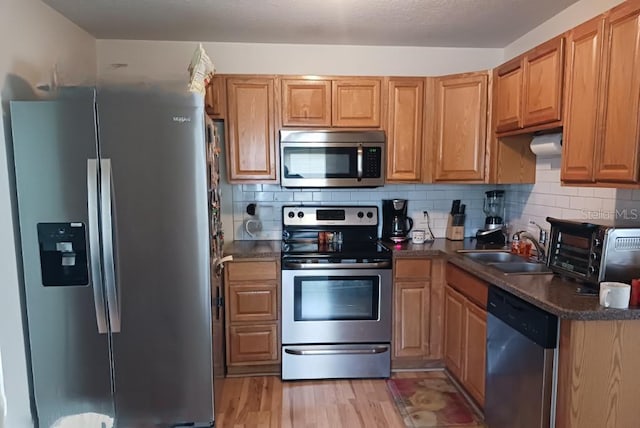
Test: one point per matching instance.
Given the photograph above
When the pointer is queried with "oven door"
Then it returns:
(331, 165)
(336, 306)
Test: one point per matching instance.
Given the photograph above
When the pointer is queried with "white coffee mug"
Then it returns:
(615, 295)
(418, 236)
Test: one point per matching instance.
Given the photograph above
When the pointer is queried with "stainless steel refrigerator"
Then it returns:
(116, 238)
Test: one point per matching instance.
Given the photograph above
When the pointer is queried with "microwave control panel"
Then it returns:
(372, 162)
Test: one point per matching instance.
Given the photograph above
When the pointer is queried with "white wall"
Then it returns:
(567, 19)
(169, 60)
(33, 38)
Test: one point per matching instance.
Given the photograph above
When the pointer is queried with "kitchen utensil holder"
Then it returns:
(455, 227)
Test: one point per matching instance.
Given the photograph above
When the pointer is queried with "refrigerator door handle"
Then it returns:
(94, 244)
(113, 296)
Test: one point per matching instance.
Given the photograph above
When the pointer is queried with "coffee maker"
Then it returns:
(395, 223)
(493, 232)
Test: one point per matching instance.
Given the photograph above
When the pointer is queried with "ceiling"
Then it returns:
(445, 23)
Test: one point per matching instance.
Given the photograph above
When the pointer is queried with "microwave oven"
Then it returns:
(595, 251)
(319, 158)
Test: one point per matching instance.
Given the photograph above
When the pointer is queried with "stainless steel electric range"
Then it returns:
(336, 294)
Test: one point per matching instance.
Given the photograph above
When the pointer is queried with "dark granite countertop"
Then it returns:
(549, 292)
(252, 249)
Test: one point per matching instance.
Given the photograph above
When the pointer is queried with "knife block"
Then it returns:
(455, 227)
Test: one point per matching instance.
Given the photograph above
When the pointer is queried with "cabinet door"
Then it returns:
(214, 99)
(453, 330)
(461, 127)
(356, 103)
(251, 130)
(252, 344)
(475, 336)
(411, 319)
(543, 79)
(507, 95)
(584, 66)
(617, 153)
(306, 102)
(404, 129)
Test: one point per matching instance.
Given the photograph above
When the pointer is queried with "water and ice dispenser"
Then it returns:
(63, 254)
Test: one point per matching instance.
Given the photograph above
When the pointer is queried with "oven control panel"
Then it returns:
(329, 216)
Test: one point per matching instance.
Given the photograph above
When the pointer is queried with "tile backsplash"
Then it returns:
(433, 198)
(547, 198)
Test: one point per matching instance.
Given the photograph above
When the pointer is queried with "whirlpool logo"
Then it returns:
(181, 119)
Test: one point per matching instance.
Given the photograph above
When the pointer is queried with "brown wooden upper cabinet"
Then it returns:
(251, 133)
(331, 102)
(405, 122)
(306, 102)
(460, 127)
(584, 67)
(528, 89)
(601, 141)
(214, 99)
(356, 102)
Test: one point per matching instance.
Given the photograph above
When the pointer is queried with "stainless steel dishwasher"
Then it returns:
(521, 350)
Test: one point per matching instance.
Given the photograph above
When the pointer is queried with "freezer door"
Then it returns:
(54, 146)
(154, 144)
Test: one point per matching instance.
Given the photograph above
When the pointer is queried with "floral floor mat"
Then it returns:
(432, 401)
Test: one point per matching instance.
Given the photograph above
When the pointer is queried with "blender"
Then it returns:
(494, 209)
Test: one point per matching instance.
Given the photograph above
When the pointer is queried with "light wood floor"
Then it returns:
(267, 402)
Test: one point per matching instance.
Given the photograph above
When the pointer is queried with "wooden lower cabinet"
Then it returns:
(252, 289)
(417, 312)
(453, 324)
(250, 344)
(465, 330)
(598, 374)
(475, 336)
(411, 329)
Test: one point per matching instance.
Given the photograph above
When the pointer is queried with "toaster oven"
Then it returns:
(595, 251)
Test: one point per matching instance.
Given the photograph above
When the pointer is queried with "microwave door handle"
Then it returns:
(360, 160)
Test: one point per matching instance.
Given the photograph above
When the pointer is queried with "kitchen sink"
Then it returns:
(506, 262)
(522, 268)
(493, 257)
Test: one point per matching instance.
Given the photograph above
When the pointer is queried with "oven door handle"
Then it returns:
(372, 350)
(293, 265)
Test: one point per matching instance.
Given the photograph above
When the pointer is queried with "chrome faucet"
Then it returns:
(540, 253)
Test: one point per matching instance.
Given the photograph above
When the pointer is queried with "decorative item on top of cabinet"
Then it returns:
(465, 330)
(528, 90)
(418, 292)
(215, 98)
(306, 102)
(602, 139)
(460, 127)
(355, 102)
(251, 129)
(252, 314)
(405, 124)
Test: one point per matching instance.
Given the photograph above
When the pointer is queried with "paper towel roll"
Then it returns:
(547, 145)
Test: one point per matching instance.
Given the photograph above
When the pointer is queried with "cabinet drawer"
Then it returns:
(255, 344)
(250, 271)
(470, 286)
(413, 269)
(253, 303)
